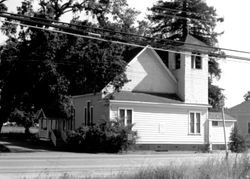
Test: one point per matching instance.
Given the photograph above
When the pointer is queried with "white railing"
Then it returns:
(63, 136)
(53, 137)
(43, 134)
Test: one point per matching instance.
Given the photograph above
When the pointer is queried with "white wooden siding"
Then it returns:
(217, 132)
(150, 123)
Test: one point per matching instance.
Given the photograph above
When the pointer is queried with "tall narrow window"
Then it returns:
(126, 116)
(122, 115)
(88, 113)
(177, 61)
(85, 116)
(129, 116)
(192, 123)
(91, 115)
(198, 123)
(196, 61)
(195, 123)
(248, 128)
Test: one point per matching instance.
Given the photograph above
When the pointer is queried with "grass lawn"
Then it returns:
(13, 139)
(17, 129)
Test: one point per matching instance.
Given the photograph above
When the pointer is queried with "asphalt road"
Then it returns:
(52, 164)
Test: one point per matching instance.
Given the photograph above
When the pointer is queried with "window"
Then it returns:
(248, 129)
(91, 115)
(88, 114)
(195, 123)
(196, 61)
(85, 116)
(215, 123)
(126, 116)
(177, 61)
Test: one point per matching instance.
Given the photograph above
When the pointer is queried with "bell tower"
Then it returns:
(190, 67)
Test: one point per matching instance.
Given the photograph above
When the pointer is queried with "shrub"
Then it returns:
(109, 137)
(237, 143)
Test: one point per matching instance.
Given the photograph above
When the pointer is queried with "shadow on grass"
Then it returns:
(3, 148)
(19, 142)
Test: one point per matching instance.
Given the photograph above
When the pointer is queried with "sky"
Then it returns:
(236, 26)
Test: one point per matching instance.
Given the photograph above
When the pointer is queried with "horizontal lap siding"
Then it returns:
(163, 125)
(217, 133)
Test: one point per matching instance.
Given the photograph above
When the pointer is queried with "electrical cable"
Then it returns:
(112, 31)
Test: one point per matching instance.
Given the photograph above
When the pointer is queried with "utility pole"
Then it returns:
(224, 129)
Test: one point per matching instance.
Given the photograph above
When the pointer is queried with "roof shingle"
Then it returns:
(146, 97)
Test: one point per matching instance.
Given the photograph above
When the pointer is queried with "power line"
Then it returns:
(122, 43)
(107, 30)
(100, 39)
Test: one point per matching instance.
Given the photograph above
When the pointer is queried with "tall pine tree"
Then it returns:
(175, 19)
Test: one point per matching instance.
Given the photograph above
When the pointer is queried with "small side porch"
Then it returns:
(54, 129)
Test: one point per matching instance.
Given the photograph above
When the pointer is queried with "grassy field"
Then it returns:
(17, 129)
(236, 167)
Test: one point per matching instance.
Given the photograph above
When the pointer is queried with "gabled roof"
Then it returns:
(132, 56)
(218, 116)
(145, 97)
(243, 107)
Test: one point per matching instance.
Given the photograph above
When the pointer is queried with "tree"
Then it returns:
(247, 96)
(173, 20)
(23, 118)
(3, 7)
(42, 69)
(237, 143)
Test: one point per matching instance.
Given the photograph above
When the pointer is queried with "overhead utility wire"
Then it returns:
(112, 31)
(80, 32)
(119, 42)
(98, 38)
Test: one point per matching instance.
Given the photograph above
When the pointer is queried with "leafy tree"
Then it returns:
(23, 118)
(42, 69)
(247, 96)
(174, 20)
(215, 97)
(237, 142)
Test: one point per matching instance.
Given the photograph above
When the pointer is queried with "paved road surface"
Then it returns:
(42, 164)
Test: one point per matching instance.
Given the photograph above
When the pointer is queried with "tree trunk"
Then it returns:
(27, 131)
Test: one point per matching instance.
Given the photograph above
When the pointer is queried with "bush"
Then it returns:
(237, 143)
(110, 137)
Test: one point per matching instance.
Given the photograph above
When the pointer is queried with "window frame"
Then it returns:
(194, 59)
(217, 123)
(248, 129)
(91, 117)
(88, 113)
(194, 123)
(177, 61)
(125, 114)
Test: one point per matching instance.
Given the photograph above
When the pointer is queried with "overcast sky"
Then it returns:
(235, 74)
